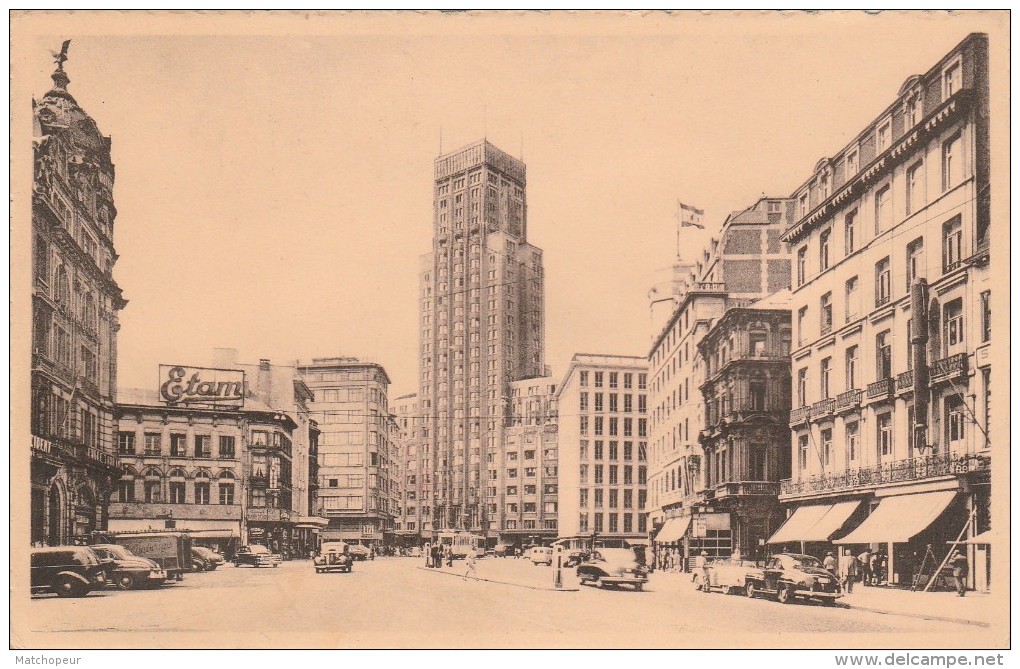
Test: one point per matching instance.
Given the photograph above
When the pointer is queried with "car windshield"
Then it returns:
(117, 552)
(805, 561)
(258, 549)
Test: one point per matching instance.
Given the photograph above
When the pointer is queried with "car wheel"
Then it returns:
(68, 587)
(639, 586)
(785, 594)
(597, 582)
(125, 581)
(750, 590)
(197, 565)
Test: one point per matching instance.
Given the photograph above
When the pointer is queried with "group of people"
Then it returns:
(872, 569)
(669, 559)
(436, 554)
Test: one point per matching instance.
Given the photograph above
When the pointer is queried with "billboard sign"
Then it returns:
(183, 385)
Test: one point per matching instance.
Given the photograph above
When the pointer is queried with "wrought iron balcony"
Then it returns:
(800, 415)
(901, 470)
(905, 380)
(882, 388)
(851, 399)
(823, 408)
(746, 488)
(61, 446)
(949, 368)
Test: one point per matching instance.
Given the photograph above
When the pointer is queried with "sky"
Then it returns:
(274, 188)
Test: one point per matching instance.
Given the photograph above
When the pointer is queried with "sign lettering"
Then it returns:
(201, 385)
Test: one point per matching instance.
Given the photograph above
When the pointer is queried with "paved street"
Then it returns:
(394, 602)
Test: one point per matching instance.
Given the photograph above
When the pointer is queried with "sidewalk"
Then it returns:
(520, 573)
(977, 608)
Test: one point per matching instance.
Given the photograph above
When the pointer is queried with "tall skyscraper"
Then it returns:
(482, 327)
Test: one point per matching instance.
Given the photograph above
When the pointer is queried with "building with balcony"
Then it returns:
(223, 473)
(746, 439)
(528, 463)
(482, 327)
(746, 262)
(75, 306)
(352, 413)
(603, 447)
(891, 295)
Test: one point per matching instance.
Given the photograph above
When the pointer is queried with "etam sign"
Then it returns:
(201, 385)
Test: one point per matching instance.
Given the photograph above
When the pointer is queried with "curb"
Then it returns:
(921, 616)
(489, 580)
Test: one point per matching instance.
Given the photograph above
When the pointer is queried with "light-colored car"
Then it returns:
(729, 576)
(256, 555)
(541, 555)
(612, 566)
(333, 556)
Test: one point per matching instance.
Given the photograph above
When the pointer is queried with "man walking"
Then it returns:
(701, 566)
(469, 559)
(958, 562)
(830, 563)
(848, 572)
(865, 560)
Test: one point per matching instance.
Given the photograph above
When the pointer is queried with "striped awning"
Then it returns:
(899, 519)
(673, 530)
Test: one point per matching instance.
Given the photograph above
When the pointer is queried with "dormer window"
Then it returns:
(952, 79)
(803, 205)
(825, 184)
(883, 136)
(852, 163)
(912, 109)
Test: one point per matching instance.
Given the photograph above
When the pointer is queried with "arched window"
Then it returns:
(202, 487)
(176, 487)
(153, 485)
(125, 491)
(226, 487)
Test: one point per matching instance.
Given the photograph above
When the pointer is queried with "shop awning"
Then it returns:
(830, 523)
(900, 519)
(312, 520)
(673, 530)
(800, 524)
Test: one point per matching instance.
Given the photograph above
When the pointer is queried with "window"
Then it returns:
(801, 322)
(583, 498)
(126, 490)
(912, 109)
(826, 447)
(126, 443)
(598, 402)
(203, 446)
(258, 500)
(952, 80)
(583, 379)
(883, 355)
(986, 316)
(201, 488)
(826, 314)
(883, 286)
(584, 449)
(852, 163)
(178, 445)
(802, 208)
(851, 368)
(598, 473)
(885, 435)
(177, 492)
(614, 450)
(598, 522)
(152, 492)
(883, 210)
(642, 381)
(852, 441)
(850, 232)
(598, 379)
(226, 447)
(802, 386)
(952, 244)
(582, 522)
(823, 250)
(801, 265)
(226, 488)
(152, 444)
(914, 193)
(852, 299)
(583, 426)
(883, 136)
(599, 499)
(613, 376)
(598, 426)
(584, 401)
(915, 261)
(614, 404)
(826, 369)
(757, 395)
(953, 317)
(628, 380)
(952, 162)
(802, 452)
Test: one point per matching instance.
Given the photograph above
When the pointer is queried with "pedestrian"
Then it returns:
(701, 567)
(470, 561)
(958, 561)
(848, 571)
(830, 563)
(449, 556)
(517, 552)
(876, 568)
(865, 564)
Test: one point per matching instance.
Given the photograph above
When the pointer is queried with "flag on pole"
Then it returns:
(690, 217)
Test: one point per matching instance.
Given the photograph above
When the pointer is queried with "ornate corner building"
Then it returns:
(75, 305)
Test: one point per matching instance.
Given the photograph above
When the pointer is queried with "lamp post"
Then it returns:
(558, 583)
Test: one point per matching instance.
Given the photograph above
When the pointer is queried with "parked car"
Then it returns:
(729, 576)
(205, 559)
(358, 552)
(129, 570)
(333, 556)
(171, 550)
(414, 551)
(574, 557)
(541, 555)
(792, 575)
(612, 566)
(501, 550)
(256, 555)
(68, 571)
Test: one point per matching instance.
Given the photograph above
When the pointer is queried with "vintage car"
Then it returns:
(502, 550)
(792, 575)
(541, 555)
(729, 576)
(129, 570)
(256, 555)
(612, 566)
(333, 556)
(358, 552)
(68, 571)
(205, 559)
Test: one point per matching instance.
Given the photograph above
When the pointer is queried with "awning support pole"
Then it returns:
(938, 571)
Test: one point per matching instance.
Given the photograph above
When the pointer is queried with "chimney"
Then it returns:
(264, 364)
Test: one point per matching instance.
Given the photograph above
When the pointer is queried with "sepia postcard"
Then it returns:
(511, 330)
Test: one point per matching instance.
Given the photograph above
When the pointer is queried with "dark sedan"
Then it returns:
(68, 571)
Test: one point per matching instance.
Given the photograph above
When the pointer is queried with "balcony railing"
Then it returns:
(905, 380)
(851, 399)
(901, 470)
(800, 415)
(881, 388)
(90, 454)
(739, 488)
(952, 367)
(711, 285)
(823, 408)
